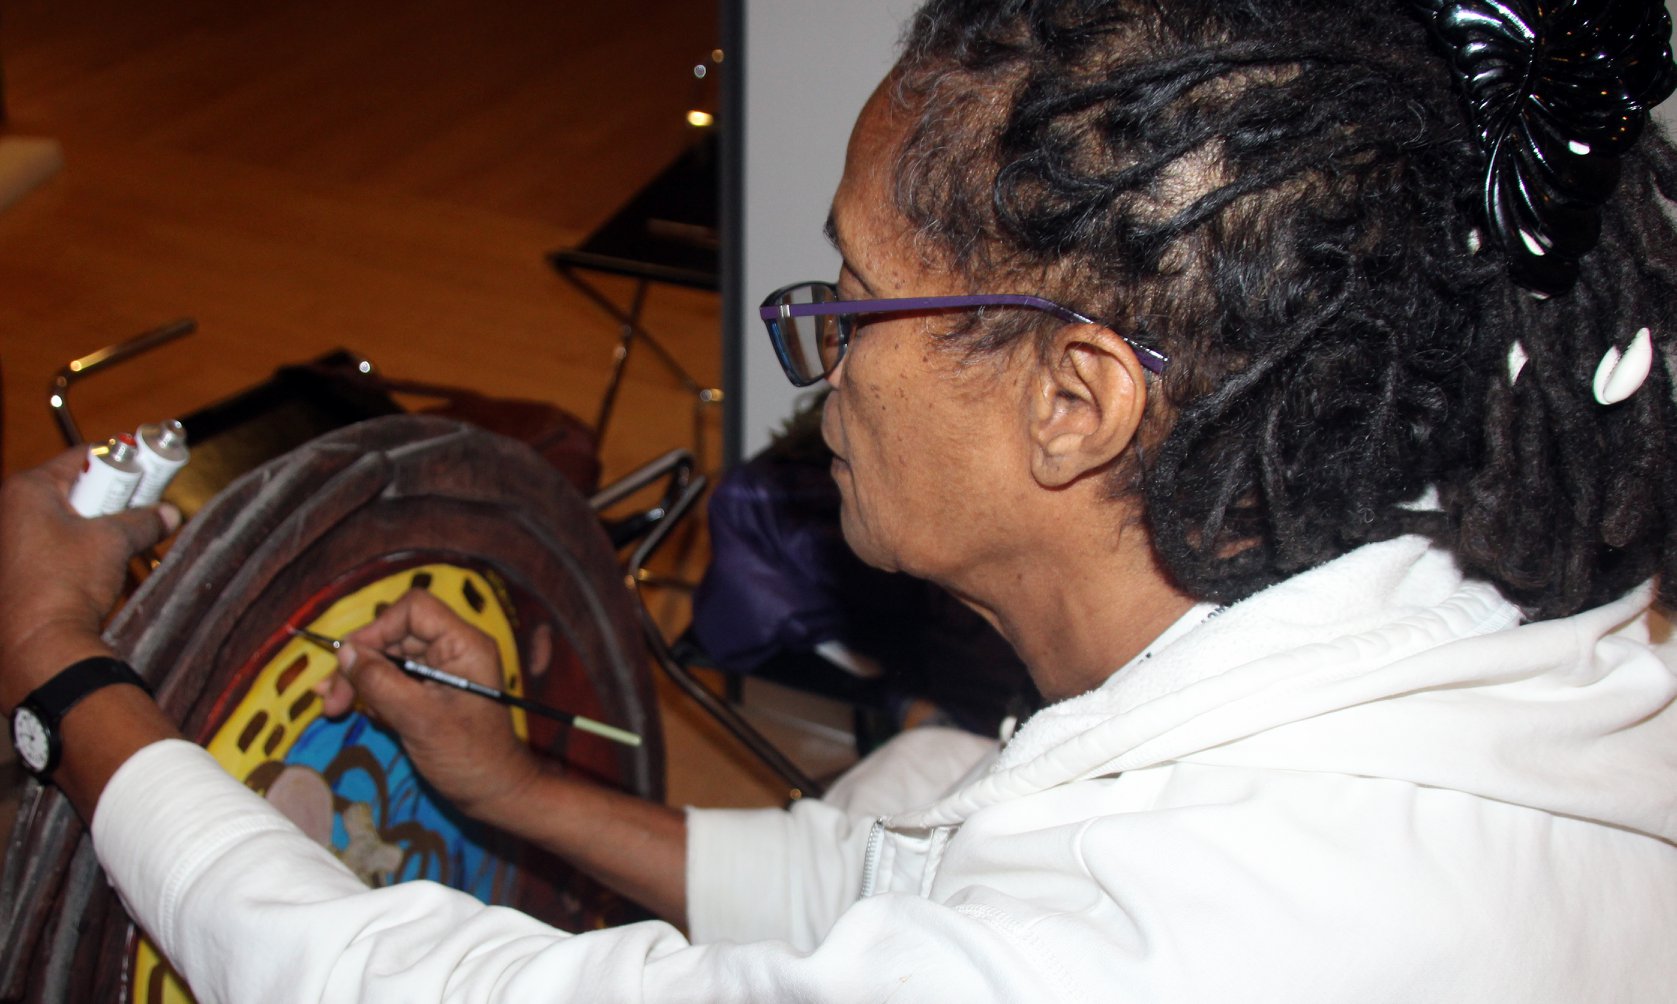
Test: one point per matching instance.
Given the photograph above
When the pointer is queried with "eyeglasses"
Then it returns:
(811, 327)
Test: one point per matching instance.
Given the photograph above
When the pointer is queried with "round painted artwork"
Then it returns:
(347, 783)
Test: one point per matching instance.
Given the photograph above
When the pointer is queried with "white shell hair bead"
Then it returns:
(1516, 361)
(1620, 375)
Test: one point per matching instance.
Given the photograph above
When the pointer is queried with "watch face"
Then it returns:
(30, 738)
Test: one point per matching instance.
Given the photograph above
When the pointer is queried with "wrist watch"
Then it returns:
(35, 721)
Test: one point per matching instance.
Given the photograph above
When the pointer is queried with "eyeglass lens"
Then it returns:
(812, 344)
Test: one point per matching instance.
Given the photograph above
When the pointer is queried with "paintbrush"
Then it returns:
(420, 671)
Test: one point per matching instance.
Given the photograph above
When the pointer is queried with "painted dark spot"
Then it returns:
(420, 580)
(302, 704)
(289, 674)
(253, 728)
(474, 599)
(274, 739)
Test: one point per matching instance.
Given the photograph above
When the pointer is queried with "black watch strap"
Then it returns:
(54, 698)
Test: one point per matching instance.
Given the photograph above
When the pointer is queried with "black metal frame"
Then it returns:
(666, 233)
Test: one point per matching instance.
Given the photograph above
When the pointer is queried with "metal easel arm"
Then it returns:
(58, 397)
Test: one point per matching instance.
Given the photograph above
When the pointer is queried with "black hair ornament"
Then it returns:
(1557, 90)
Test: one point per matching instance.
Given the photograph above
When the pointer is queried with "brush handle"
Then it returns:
(424, 672)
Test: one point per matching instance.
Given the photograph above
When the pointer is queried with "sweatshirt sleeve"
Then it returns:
(759, 874)
(248, 908)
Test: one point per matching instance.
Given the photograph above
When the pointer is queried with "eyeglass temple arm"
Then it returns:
(1149, 359)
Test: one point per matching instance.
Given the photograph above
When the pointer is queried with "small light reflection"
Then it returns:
(365, 366)
(700, 119)
(56, 401)
(700, 71)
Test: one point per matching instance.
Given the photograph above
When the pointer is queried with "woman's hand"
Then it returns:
(463, 744)
(60, 573)
(465, 747)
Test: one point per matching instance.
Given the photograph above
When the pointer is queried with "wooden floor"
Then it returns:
(378, 175)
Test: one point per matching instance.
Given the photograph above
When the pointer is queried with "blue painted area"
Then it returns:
(438, 843)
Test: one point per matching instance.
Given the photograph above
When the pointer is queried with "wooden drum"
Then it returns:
(321, 538)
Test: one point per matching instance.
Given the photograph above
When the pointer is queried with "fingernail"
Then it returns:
(346, 657)
(170, 516)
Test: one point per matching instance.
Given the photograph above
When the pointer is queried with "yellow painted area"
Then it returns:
(280, 704)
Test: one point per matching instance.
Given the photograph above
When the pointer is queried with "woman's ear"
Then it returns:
(1087, 401)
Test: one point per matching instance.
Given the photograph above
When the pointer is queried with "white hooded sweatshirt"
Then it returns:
(1369, 783)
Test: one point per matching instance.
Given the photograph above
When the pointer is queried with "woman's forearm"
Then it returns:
(635, 846)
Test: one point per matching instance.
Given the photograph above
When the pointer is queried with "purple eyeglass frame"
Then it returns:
(774, 312)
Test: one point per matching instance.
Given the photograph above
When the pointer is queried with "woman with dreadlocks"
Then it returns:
(1289, 381)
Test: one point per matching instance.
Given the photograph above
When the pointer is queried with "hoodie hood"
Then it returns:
(1383, 663)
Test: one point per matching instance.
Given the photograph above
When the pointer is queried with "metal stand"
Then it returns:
(666, 233)
(725, 714)
(631, 331)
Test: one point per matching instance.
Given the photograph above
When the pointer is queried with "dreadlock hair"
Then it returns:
(1281, 195)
